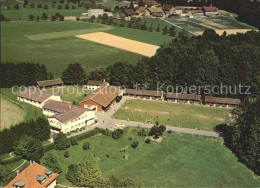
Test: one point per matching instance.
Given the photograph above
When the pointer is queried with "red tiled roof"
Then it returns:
(35, 95)
(28, 176)
(103, 96)
(140, 10)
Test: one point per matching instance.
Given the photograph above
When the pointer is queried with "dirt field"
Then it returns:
(10, 114)
(229, 31)
(121, 43)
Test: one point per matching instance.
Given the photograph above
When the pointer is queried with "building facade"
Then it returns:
(95, 12)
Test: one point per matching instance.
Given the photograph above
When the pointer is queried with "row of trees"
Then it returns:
(208, 60)
(38, 129)
(21, 74)
(44, 16)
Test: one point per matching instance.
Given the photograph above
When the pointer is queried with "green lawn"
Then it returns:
(183, 115)
(70, 93)
(57, 53)
(179, 160)
(30, 112)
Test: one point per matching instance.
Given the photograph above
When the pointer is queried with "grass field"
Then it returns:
(179, 160)
(183, 115)
(70, 93)
(11, 114)
(29, 111)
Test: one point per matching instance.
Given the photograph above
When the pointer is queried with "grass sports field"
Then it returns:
(11, 113)
(179, 160)
(55, 45)
(183, 115)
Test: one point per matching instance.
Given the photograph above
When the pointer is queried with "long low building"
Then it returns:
(65, 117)
(225, 102)
(102, 98)
(183, 97)
(50, 83)
(36, 97)
(149, 94)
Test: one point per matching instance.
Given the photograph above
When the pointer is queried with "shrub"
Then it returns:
(16, 7)
(135, 144)
(46, 7)
(66, 154)
(157, 130)
(117, 133)
(61, 142)
(142, 132)
(39, 5)
(32, 5)
(31, 17)
(118, 98)
(147, 141)
(86, 146)
(53, 18)
(73, 141)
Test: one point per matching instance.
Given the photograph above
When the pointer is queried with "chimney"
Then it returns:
(33, 162)
(30, 162)
(17, 172)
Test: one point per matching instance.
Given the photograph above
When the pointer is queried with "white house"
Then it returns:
(93, 84)
(37, 97)
(66, 117)
(95, 12)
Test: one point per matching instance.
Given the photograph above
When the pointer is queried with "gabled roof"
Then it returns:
(45, 83)
(210, 9)
(35, 95)
(141, 92)
(28, 177)
(103, 96)
(58, 106)
(96, 83)
(129, 11)
(218, 100)
(140, 10)
(155, 10)
(183, 96)
(167, 7)
(70, 115)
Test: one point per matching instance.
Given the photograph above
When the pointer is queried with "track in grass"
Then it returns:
(121, 43)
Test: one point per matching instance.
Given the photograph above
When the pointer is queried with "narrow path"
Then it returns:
(178, 26)
(19, 166)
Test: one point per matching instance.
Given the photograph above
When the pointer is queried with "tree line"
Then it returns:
(22, 74)
(247, 11)
(38, 129)
(205, 60)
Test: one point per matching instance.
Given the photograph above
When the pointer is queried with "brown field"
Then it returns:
(10, 114)
(229, 31)
(121, 43)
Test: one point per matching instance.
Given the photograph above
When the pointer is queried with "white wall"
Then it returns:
(74, 124)
(52, 185)
(95, 12)
(38, 104)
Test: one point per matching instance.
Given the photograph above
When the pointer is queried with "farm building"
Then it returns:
(183, 97)
(210, 10)
(35, 176)
(36, 97)
(155, 11)
(129, 12)
(224, 102)
(95, 12)
(142, 11)
(102, 98)
(50, 83)
(148, 94)
(94, 84)
(168, 9)
(66, 117)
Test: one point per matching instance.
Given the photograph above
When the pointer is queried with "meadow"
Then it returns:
(172, 114)
(179, 160)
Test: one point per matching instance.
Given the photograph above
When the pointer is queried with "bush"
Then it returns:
(147, 141)
(32, 5)
(46, 7)
(39, 5)
(86, 146)
(135, 144)
(50, 161)
(16, 7)
(61, 142)
(73, 141)
(157, 130)
(142, 132)
(118, 98)
(66, 154)
(117, 133)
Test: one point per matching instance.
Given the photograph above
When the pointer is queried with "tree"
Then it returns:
(25, 2)
(30, 148)
(143, 27)
(32, 5)
(158, 28)
(165, 30)
(132, 5)
(61, 142)
(46, 7)
(73, 141)
(16, 7)
(135, 144)
(172, 31)
(86, 173)
(39, 5)
(42, 128)
(74, 74)
(44, 16)
(59, 7)
(86, 146)
(51, 161)
(31, 17)
(67, 6)
(38, 18)
(53, 18)
(117, 133)
(151, 28)
(61, 18)
(157, 130)
(245, 134)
